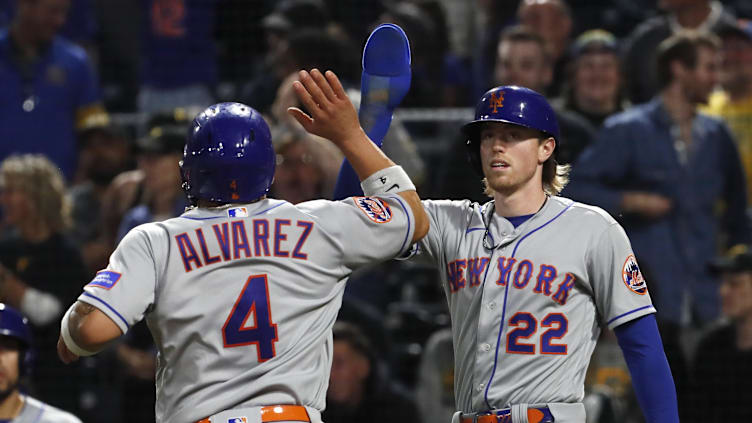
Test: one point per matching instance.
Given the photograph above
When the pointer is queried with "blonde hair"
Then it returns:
(42, 182)
(555, 177)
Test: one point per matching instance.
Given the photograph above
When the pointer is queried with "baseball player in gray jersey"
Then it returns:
(16, 357)
(530, 279)
(241, 292)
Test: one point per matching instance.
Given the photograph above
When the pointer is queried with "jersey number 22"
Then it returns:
(253, 300)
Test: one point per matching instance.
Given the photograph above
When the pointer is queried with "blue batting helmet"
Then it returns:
(228, 156)
(14, 325)
(509, 104)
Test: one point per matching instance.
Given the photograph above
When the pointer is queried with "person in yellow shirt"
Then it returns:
(734, 102)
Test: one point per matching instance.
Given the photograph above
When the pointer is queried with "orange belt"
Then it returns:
(534, 415)
(279, 413)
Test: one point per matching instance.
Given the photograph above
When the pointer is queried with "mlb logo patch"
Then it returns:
(237, 212)
(632, 276)
(237, 420)
(375, 208)
(105, 279)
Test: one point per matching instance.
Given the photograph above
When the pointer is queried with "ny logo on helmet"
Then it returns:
(497, 102)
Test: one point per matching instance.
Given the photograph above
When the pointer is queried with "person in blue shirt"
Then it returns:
(674, 179)
(49, 87)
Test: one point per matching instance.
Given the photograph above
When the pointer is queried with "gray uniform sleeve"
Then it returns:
(125, 289)
(365, 229)
(445, 216)
(619, 288)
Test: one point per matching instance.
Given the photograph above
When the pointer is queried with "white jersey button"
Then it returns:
(491, 305)
(485, 347)
(481, 386)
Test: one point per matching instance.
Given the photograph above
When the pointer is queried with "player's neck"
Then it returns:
(10, 407)
(519, 203)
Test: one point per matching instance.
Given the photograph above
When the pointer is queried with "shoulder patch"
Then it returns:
(632, 277)
(375, 208)
(105, 279)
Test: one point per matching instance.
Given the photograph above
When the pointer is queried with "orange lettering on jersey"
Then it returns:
(261, 237)
(279, 237)
(520, 273)
(187, 252)
(523, 273)
(223, 239)
(307, 227)
(504, 266)
(208, 259)
(497, 102)
(546, 275)
(564, 287)
(475, 267)
(239, 239)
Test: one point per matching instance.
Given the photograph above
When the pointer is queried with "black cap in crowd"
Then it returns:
(738, 259)
(165, 133)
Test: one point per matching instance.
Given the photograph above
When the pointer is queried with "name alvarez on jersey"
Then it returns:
(231, 241)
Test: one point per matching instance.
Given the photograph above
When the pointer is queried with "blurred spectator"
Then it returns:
(552, 20)
(306, 167)
(522, 60)
(288, 19)
(722, 371)
(49, 86)
(490, 18)
(594, 88)
(158, 156)
(80, 24)
(355, 17)
(179, 66)
(673, 178)
(359, 390)
(734, 102)
(641, 46)
(438, 76)
(105, 153)
(16, 361)
(40, 269)
(435, 386)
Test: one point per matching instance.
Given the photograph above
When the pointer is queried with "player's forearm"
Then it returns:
(90, 328)
(364, 156)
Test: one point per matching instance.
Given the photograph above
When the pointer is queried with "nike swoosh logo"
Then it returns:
(393, 187)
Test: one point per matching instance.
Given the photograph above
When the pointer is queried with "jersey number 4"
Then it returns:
(526, 325)
(253, 301)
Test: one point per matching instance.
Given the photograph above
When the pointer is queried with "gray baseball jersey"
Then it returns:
(527, 303)
(35, 411)
(241, 300)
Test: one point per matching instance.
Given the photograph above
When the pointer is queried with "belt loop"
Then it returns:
(519, 413)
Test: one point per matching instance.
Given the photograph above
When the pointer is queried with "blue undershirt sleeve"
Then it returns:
(653, 383)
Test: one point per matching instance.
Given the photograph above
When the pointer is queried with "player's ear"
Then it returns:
(546, 149)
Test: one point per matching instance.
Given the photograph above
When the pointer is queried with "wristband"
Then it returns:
(69, 342)
(390, 180)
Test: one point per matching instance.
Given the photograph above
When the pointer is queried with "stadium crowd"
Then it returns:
(96, 98)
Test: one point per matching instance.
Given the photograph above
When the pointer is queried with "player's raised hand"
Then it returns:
(330, 113)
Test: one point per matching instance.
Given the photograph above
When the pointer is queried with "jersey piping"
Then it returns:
(506, 292)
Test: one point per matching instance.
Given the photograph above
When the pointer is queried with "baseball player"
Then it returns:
(530, 279)
(241, 291)
(16, 358)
